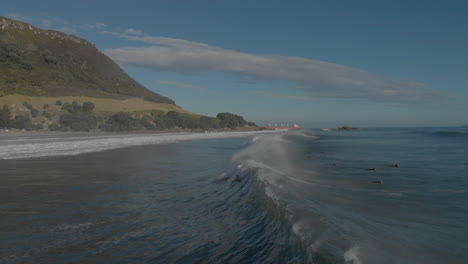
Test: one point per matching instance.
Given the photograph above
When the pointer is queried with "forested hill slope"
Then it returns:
(37, 62)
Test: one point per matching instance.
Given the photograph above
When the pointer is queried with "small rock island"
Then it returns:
(347, 128)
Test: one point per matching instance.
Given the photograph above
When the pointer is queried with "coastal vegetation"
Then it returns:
(85, 114)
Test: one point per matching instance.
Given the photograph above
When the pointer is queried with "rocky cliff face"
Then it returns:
(39, 62)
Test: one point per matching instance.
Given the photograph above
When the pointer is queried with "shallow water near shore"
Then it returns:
(302, 197)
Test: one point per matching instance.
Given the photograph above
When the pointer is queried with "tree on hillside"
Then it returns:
(76, 107)
(21, 122)
(147, 122)
(79, 121)
(173, 119)
(170, 120)
(5, 115)
(228, 120)
(67, 107)
(122, 121)
(208, 122)
(88, 107)
(34, 112)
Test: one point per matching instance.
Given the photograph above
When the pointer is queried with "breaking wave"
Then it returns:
(272, 161)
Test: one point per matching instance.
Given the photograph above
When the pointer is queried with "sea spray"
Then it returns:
(272, 160)
(301, 196)
(351, 256)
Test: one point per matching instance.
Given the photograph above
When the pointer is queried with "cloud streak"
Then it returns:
(132, 31)
(315, 78)
(180, 84)
(98, 26)
(276, 95)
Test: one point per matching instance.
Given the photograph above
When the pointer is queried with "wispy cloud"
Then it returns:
(96, 26)
(19, 17)
(315, 78)
(283, 96)
(132, 31)
(180, 84)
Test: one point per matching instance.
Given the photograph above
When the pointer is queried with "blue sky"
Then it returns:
(319, 63)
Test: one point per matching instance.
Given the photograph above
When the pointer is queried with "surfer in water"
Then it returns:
(394, 165)
(237, 179)
(232, 179)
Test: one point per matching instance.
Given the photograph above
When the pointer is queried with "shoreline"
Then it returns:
(46, 144)
(15, 132)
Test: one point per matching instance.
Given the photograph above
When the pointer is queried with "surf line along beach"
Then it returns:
(31, 145)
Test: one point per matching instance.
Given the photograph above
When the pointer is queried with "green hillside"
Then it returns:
(50, 80)
(37, 62)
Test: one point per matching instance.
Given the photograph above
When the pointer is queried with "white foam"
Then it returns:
(304, 134)
(351, 256)
(299, 229)
(34, 147)
(315, 246)
(66, 227)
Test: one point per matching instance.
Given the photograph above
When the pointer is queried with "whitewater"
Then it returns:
(48, 145)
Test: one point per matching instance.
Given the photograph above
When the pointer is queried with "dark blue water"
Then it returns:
(302, 197)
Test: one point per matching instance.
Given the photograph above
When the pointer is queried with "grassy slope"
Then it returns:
(104, 106)
(39, 62)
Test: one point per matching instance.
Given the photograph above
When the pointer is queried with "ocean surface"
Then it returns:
(306, 196)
